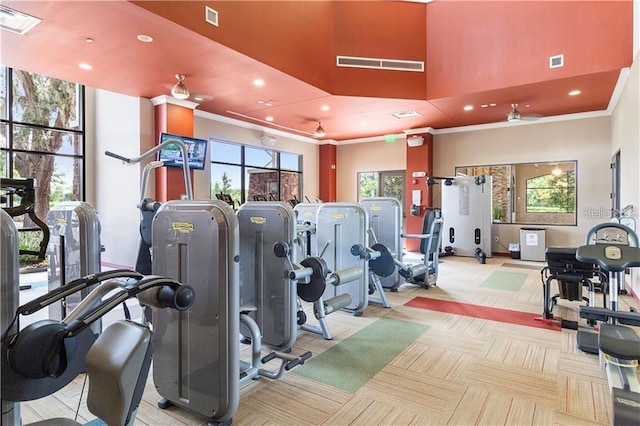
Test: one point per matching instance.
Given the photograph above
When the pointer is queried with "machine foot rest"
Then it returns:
(164, 403)
(588, 342)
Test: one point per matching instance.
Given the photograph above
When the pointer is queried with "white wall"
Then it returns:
(122, 124)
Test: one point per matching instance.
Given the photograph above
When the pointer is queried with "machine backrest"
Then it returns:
(562, 260)
(118, 365)
(431, 244)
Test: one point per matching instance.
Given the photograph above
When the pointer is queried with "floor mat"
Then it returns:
(501, 280)
(484, 312)
(353, 362)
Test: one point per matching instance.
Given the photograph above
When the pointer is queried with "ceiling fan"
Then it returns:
(515, 115)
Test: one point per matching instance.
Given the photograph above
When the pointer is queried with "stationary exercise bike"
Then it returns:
(614, 248)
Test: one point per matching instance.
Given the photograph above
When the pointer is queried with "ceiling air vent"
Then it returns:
(556, 61)
(407, 114)
(382, 64)
(211, 15)
(16, 22)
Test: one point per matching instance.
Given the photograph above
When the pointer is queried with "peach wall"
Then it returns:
(586, 140)
(366, 157)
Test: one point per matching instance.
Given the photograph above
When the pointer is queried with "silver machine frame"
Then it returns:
(466, 212)
(197, 362)
(10, 300)
(340, 226)
(263, 284)
(196, 243)
(74, 252)
(385, 227)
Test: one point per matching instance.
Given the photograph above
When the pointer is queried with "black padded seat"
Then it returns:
(619, 341)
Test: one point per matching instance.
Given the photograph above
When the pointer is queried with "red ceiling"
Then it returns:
(475, 52)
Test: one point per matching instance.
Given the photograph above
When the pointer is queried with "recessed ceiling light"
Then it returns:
(268, 118)
(468, 107)
(574, 92)
(144, 38)
(261, 102)
(86, 67)
(198, 98)
(258, 82)
(269, 103)
(324, 107)
(492, 104)
(88, 40)
(484, 105)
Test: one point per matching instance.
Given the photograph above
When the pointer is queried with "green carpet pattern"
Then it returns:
(352, 363)
(501, 280)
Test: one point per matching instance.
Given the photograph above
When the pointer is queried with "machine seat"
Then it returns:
(619, 341)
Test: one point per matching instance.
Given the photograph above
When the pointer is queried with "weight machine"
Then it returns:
(45, 356)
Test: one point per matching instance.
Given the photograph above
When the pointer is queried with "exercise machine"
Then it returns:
(426, 273)
(25, 190)
(197, 362)
(614, 248)
(262, 281)
(339, 226)
(571, 276)
(74, 252)
(148, 206)
(312, 277)
(306, 228)
(385, 227)
(466, 212)
(45, 356)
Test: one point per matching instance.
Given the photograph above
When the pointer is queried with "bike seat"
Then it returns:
(619, 341)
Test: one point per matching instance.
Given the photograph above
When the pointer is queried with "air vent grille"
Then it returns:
(383, 64)
(211, 15)
(556, 61)
(16, 22)
(407, 114)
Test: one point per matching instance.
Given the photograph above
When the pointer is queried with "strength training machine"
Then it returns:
(45, 356)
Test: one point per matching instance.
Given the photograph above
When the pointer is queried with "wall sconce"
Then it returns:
(415, 140)
(180, 91)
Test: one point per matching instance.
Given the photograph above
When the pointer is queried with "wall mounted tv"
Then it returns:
(171, 154)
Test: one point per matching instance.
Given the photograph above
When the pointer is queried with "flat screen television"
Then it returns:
(171, 154)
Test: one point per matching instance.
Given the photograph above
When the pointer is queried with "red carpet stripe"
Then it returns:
(484, 312)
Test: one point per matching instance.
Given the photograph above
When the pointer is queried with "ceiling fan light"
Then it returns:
(179, 90)
(319, 131)
(514, 115)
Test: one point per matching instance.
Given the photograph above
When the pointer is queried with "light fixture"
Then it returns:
(180, 91)
(574, 92)
(514, 115)
(415, 140)
(319, 131)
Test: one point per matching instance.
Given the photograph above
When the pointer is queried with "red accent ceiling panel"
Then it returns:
(479, 46)
(294, 37)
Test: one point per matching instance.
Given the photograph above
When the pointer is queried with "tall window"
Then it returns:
(248, 173)
(42, 135)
